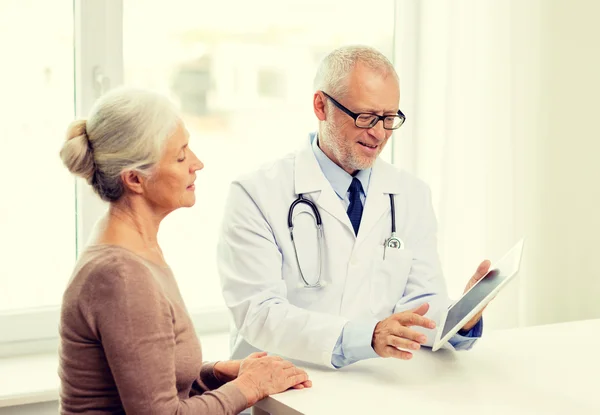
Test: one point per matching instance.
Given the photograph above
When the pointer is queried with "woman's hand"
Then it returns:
(261, 376)
(228, 370)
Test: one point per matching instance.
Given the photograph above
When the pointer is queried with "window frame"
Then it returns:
(98, 57)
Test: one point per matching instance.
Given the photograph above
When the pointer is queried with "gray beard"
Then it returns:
(349, 161)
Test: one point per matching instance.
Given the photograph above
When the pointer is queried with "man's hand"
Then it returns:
(393, 333)
(482, 269)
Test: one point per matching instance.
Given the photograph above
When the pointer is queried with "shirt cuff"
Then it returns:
(354, 343)
(467, 341)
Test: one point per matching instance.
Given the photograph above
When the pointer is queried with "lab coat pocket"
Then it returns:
(388, 279)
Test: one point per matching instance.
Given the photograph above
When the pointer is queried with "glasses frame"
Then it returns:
(400, 115)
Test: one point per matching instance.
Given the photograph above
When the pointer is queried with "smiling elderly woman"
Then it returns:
(127, 341)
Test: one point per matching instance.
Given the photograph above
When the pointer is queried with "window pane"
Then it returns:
(242, 73)
(37, 212)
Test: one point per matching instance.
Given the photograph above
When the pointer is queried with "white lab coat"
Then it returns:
(260, 276)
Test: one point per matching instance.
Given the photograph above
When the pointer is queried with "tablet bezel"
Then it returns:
(440, 341)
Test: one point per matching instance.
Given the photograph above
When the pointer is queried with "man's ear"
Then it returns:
(133, 181)
(319, 106)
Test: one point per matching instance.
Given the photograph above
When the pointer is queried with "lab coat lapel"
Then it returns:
(310, 181)
(385, 180)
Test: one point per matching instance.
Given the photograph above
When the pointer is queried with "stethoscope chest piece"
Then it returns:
(394, 242)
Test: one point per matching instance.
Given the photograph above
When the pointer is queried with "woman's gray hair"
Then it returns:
(126, 130)
(332, 74)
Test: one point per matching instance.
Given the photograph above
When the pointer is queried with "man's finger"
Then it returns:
(409, 319)
(406, 333)
(391, 351)
(482, 269)
(403, 343)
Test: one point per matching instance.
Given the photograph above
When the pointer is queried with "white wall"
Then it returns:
(563, 281)
(504, 130)
(463, 144)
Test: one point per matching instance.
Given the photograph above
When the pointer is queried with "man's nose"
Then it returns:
(377, 130)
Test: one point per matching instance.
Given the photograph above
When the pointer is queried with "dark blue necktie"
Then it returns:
(355, 208)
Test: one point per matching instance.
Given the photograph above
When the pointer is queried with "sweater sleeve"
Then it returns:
(207, 380)
(134, 322)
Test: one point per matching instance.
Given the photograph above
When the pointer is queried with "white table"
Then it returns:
(553, 369)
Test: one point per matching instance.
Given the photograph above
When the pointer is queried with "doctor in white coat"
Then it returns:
(350, 290)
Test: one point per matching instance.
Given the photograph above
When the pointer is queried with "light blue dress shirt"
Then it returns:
(354, 343)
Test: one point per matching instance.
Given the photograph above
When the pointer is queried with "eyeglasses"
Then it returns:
(366, 120)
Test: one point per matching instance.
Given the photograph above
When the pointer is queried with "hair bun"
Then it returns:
(77, 128)
(76, 153)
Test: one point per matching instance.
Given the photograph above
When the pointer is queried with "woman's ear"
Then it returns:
(133, 181)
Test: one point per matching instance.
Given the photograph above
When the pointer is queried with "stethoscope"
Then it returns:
(393, 242)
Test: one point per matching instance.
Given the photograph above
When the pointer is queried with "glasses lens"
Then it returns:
(393, 122)
(366, 121)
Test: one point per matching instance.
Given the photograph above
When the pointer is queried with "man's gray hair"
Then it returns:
(332, 74)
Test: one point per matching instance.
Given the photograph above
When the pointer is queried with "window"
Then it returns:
(245, 88)
(271, 83)
(37, 213)
(243, 84)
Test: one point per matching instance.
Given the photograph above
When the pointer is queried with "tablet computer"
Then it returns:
(471, 302)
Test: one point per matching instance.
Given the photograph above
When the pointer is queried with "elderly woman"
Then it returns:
(127, 341)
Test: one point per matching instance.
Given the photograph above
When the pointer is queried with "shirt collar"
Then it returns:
(338, 178)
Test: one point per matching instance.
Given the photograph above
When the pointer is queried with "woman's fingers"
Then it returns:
(257, 355)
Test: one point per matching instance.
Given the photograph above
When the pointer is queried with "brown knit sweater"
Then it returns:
(128, 344)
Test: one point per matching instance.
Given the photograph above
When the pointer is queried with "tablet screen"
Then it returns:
(499, 273)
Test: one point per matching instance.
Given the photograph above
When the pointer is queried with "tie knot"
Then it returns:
(355, 186)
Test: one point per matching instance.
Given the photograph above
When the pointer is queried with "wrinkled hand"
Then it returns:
(482, 269)
(258, 355)
(394, 332)
(228, 370)
(261, 376)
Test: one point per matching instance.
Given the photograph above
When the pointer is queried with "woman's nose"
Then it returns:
(197, 166)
